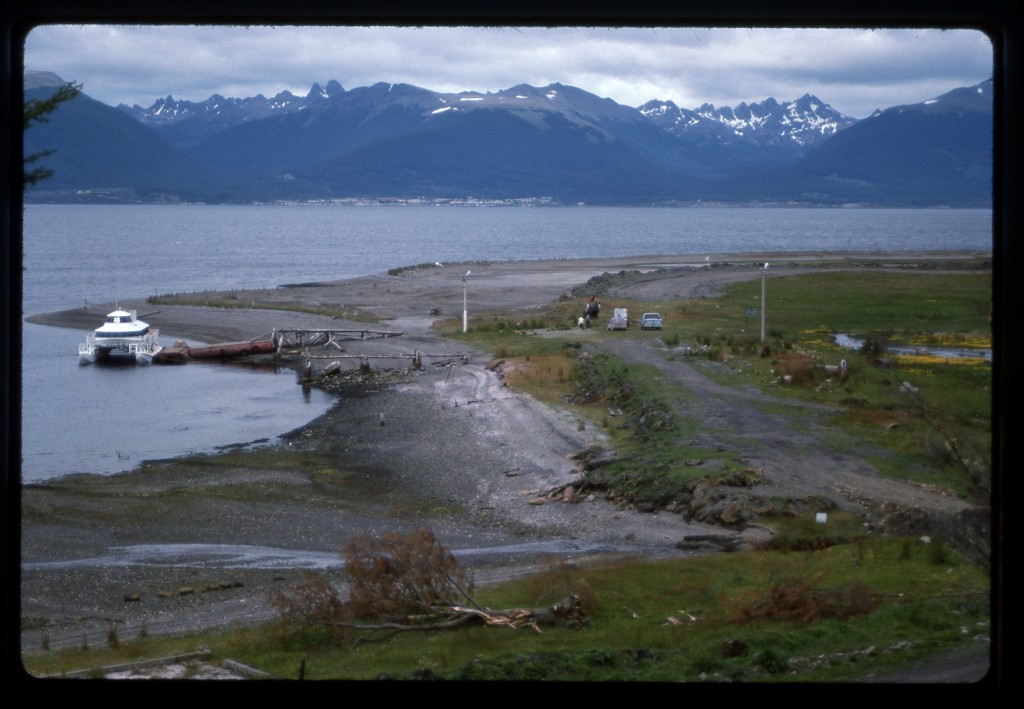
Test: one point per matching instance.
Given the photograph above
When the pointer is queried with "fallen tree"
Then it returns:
(402, 583)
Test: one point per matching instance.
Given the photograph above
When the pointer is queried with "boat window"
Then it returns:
(129, 333)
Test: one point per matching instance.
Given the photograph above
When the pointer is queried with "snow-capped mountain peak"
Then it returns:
(800, 123)
(229, 111)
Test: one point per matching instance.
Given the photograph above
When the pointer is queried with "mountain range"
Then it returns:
(553, 144)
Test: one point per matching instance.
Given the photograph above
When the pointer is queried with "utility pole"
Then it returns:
(764, 271)
(465, 310)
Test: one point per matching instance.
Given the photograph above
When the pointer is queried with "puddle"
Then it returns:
(240, 556)
(851, 343)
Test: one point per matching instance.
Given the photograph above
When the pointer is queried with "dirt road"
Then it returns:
(788, 447)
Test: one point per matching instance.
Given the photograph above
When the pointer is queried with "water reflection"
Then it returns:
(851, 343)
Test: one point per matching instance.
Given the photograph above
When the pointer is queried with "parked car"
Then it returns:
(619, 320)
(650, 321)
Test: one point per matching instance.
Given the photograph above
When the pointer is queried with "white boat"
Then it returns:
(122, 337)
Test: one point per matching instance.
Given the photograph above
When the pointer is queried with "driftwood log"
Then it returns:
(566, 612)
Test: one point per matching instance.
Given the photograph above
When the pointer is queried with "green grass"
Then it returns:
(261, 300)
(869, 593)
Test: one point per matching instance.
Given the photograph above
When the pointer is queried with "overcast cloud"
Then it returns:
(855, 71)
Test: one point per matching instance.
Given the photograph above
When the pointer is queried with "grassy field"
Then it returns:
(849, 611)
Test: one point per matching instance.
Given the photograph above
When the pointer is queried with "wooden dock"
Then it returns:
(289, 343)
(295, 339)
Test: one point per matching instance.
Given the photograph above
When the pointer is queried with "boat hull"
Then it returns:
(120, 350)
(229, 350)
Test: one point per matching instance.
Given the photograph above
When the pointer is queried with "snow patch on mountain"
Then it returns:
(801, 123)
(217, 108)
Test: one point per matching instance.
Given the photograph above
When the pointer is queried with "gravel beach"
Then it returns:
(185, 544)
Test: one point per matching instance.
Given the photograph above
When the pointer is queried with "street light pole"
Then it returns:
(465, 311)
(764, 271)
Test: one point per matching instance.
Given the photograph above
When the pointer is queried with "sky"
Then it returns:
(856, 71)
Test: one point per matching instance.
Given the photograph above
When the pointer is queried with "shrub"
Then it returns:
(402, 582)
(398, 574)
(798, 597)
(875, 344)
(800, 368)
(314, 602)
